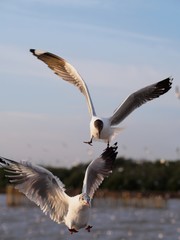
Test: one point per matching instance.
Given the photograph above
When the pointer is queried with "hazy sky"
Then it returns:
(117, 47)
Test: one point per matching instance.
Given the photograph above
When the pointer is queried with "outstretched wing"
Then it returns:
(138, 98)
(98, 169)
(39, 185)
(67, 72)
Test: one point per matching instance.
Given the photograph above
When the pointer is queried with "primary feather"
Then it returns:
(48, 192)
(105, 130)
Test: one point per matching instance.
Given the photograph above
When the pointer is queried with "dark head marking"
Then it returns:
(99, 125)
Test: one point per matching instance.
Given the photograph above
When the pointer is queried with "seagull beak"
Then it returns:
(87, 203)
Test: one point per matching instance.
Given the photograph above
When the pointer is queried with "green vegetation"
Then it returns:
(127, 175)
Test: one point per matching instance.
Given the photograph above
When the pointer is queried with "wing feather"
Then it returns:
(40, 186)
(140, 97)
(67, 72)
(98, 169)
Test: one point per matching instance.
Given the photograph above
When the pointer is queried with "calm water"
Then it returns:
(120, 223)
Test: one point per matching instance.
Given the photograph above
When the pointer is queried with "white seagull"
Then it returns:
(48, 192)
(177, 92)
(102, 128)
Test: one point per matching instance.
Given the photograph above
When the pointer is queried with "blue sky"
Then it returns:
(117, 46)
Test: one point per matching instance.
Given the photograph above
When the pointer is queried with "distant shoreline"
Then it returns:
(105, 193)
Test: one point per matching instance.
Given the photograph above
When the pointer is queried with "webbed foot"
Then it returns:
(89, 142)
(72, 230)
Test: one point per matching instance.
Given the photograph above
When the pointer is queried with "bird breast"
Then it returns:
(77, 217)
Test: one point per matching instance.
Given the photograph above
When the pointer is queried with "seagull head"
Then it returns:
(85, 200)
(98, 124)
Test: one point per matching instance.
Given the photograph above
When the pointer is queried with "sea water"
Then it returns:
(109, 223)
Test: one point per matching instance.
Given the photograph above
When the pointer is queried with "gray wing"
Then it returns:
(98, 169)
(67, 72)
(40, 186)
(138, 98)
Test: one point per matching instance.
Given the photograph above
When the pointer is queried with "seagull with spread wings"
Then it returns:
(48, 192)
(103, 128)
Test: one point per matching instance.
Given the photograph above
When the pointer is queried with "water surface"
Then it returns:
(109, 223)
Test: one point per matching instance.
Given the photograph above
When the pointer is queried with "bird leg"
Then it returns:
(88, 228)
(72, 230)
(90, 142)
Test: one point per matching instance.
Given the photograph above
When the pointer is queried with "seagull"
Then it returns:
(102, 128)
(48, 192)
(177, 92)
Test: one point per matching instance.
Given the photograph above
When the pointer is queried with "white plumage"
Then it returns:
(48, 192)
(103, 128)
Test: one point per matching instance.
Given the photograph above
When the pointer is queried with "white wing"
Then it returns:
(67, 72)
(138, 98)
(40, 186)
(98, 169)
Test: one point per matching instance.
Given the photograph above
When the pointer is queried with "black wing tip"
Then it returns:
(5, 162)
(2, 161)
(36, 52)
(165, 84)
(32, 51)
(110, 151)
(39, 53)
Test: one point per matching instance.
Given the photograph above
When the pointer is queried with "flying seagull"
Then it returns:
(103, 128)
(177, 92)
(48, 192)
